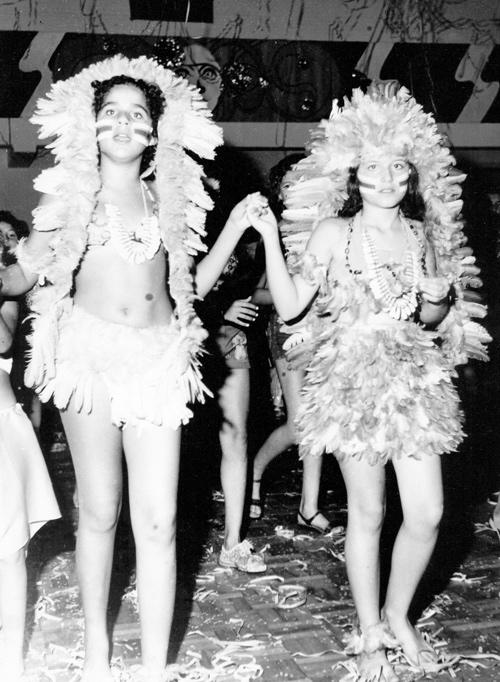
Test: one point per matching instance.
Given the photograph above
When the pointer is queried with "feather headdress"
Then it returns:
(393, 120)
(67, 115)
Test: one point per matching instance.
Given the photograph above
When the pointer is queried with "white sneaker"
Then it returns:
(242, 557)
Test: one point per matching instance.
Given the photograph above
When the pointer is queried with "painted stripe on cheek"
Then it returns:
(104, 130)
(141, 133)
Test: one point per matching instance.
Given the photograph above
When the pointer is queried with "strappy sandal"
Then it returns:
(309, 523)
(369, 648)
(255, 511)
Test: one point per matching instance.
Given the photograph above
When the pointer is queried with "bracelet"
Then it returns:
(441, 301)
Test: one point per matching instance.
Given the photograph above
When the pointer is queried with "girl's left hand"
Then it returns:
(434, 290)
(239, 215)
(261, 217)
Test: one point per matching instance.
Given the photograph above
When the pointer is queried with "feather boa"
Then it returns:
(67, 116)
(382, 118)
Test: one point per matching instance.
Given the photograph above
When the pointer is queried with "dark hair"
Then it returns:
(276, 175)
(412, 206)
(19, 226)
(154, 100)
(21, 230)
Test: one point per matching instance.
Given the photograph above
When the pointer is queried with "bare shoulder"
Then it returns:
(330, 231)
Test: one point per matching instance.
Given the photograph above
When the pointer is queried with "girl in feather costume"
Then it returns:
(116, 341)
(384, 273)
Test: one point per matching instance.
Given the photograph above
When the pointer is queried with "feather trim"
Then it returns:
(317, 190)
(66, 114)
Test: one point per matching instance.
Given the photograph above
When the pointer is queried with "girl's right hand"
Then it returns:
(239, 217)
(261, 217)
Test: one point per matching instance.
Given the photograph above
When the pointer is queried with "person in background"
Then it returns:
(12, 230)
(27, 499)
(290, 380)
(229, 314)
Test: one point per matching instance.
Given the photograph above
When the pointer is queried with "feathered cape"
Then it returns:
(67, 115)
(382, 118)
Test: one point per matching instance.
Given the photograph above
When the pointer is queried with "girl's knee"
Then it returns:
(368, 513)
(98, 518)
(16, 558)
(156, 528)
(425, 520)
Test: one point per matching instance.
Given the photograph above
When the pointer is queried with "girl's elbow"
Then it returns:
(5, 344)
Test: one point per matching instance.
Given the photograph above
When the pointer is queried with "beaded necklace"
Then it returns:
(398, 293)
(139, 244)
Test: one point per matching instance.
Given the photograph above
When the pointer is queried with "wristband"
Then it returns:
(441, 301)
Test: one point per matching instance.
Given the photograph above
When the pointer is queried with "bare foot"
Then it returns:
(11, 672)
(96, 673)
(369, 646)
(374, 666)
(141, 674)
(496, 516)
(417, 651)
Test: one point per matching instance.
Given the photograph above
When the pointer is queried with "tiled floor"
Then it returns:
(229, 626)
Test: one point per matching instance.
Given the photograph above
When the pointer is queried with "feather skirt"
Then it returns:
(377, 394)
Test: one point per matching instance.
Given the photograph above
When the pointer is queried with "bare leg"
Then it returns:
(496, 515)
(311, 477)
(95, 446)
(233, 399)
(421, 492)
(284, 435)
(35, 413)
(13, 614)
(152, 454)
(365, 486)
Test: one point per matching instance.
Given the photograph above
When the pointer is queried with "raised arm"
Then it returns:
(8, 323)
(19, 278)
(291, 295)
(210, 267)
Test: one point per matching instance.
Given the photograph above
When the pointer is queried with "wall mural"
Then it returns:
(259, 81)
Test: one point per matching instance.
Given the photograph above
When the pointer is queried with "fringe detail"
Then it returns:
(375, 637)
(318, 190)
(66, 114)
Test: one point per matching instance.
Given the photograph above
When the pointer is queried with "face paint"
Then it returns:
(138, 131)
(141, 132)
(382, 172)
(366, 185)
(104, 130)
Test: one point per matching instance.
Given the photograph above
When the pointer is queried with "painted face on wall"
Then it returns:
(201, 69)
(383, 178)
(124, 118)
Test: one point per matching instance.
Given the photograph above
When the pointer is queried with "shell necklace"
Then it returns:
(139, 244)
(395, 287)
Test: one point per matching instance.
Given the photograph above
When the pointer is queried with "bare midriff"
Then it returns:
(125, 293)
